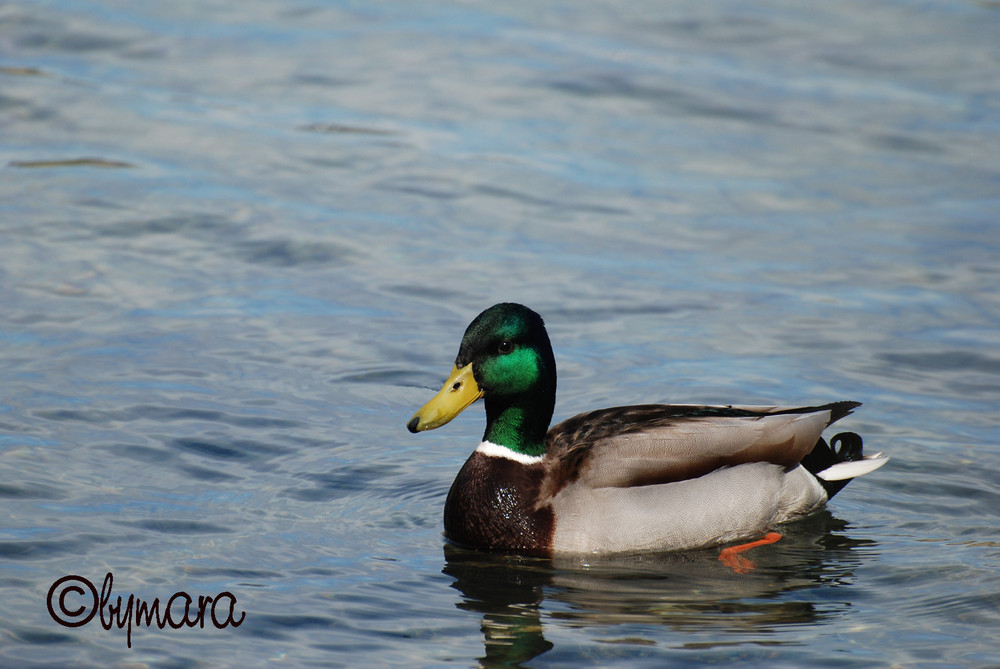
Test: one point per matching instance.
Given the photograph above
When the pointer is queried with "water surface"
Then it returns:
(240, 243)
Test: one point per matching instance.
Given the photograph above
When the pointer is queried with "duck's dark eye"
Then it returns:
(505, 347)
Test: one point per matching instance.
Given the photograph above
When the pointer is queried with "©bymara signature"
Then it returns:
(73, 601)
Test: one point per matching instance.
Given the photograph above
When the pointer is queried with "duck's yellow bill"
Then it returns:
(458, 392)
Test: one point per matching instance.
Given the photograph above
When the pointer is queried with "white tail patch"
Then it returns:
(849, 470)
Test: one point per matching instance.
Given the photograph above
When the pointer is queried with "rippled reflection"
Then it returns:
(804, 578)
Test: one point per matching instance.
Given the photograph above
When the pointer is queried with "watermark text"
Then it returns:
(73, 601)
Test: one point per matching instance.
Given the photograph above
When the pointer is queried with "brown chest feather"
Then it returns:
(492, 506)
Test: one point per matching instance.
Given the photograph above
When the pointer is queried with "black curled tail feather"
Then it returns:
(844, 447)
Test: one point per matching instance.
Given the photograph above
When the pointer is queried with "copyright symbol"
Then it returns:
(60, 609)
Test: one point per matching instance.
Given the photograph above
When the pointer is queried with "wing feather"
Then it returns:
(651, 444)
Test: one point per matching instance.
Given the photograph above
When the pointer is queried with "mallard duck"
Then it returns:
(631, 478)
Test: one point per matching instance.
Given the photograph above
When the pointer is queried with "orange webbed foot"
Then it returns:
(743, 565)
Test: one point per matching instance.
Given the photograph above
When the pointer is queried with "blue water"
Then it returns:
(240, 241)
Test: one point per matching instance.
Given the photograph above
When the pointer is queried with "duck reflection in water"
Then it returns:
(691, 592)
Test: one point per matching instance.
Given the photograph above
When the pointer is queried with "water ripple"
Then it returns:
(177, 526)
(163, 414)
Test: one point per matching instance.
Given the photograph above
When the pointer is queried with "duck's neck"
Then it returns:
(520, 425)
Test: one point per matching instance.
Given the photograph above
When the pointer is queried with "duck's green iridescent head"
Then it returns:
(506, 358)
